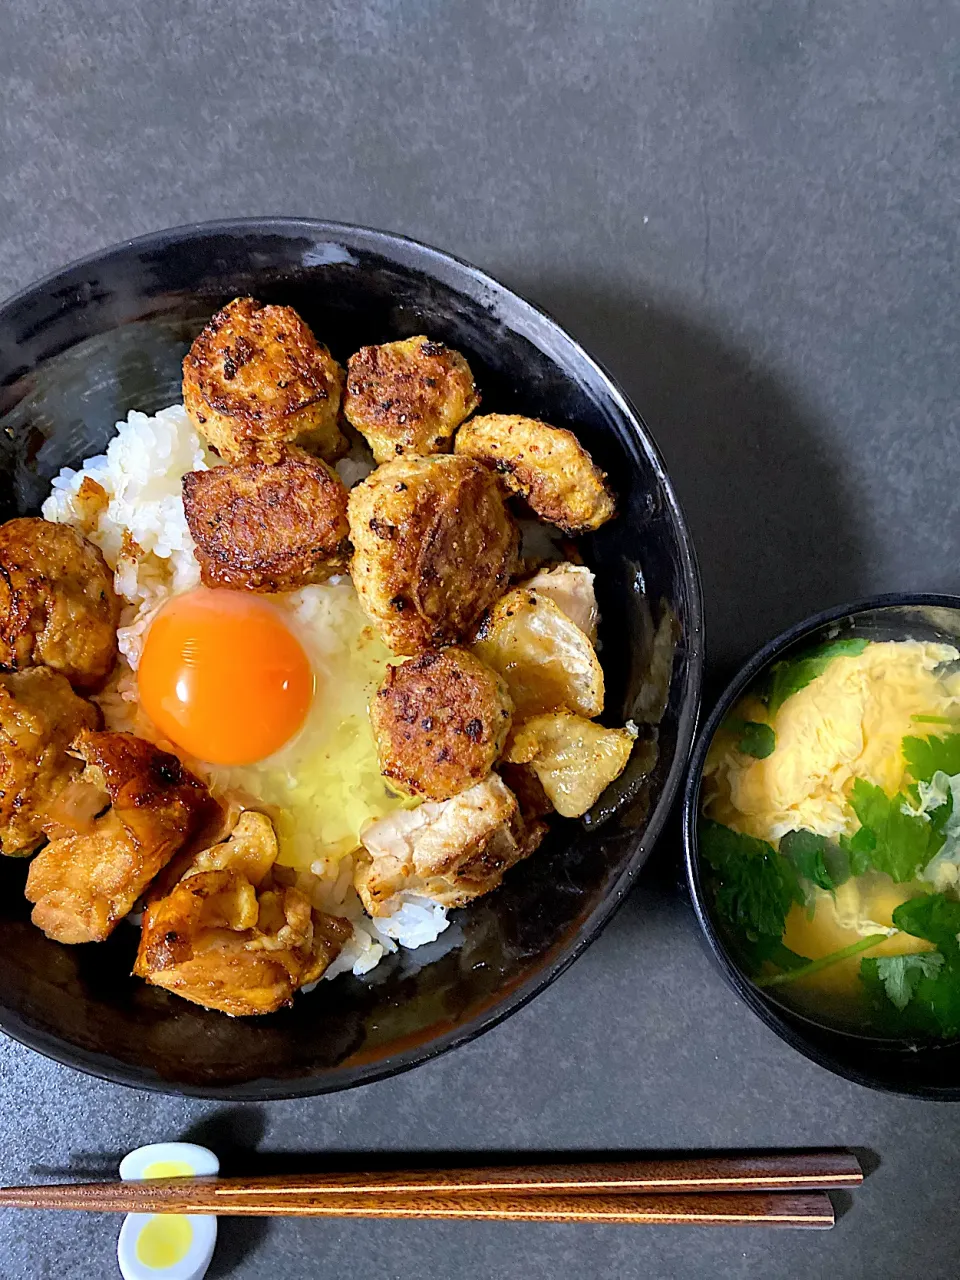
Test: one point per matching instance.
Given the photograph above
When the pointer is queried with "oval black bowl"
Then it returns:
(923, 1069)
(80, 349)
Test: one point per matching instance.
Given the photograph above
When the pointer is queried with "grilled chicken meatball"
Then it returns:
(545, 465)
(58, 607)
(408, 397)
(440, 721)
(228, 937)
(450, 852)
(40, 715)
(268, 526)
(84, 884)
(434, 546)
(256, 379)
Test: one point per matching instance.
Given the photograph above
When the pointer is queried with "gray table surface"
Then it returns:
(748, 210)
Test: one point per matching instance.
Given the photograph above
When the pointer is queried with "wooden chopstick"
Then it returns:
(801, 1171)
(806, 1209)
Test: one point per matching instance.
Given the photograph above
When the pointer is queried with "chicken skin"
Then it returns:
(434, 546)
(268, 526)
(408, 397)
(547, 662)
(40, 715)
(545, 465)
(229, 937)
(441, 721)
(574, 759)
(82, 885)
(58, 608)
(570, 587)
(451, 852)
(257, 379)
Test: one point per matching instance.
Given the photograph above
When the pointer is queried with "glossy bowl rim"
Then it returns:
(733, 974)
(429, 259)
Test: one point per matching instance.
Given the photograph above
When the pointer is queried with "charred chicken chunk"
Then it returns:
(83, 884)
(574, 759)
(450, 852)
(440, 721)
(434, 545)
(268, 526)
(58, 607)
(570, 587)
(545, 465)
(40, 715)
(251, 849)
(546, 660)
(246, 844)
(408, 397)
(257, 379)
(229, 937)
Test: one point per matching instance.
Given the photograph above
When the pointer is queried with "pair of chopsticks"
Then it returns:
(786, 1190)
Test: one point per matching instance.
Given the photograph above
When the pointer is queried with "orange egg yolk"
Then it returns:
(223, 677)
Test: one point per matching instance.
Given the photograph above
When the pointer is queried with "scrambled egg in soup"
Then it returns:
(847, 723)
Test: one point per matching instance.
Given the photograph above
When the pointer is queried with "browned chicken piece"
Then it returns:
(434, 546)
(257, 379)
(83, 884)
(251, 849)
(268, 526)
(230, 938)
(545, 465)
(159, 801)
(441, 721)
(58, 607)
(408, 397)
(40, 715)
(451, 852)
(570, 587)
(547, 661)
(574, 759)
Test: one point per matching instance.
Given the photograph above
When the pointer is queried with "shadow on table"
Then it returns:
(233, 1133)
(762, 488)
(772, 520)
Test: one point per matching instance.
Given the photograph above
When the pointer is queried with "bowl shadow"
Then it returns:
(751, 462)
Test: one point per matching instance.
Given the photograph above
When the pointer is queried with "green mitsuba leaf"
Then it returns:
(754, 739)
(816, 858)
(927, 756)
(901, 975)
(755, 887)
(897, 843)
(934, 917)
(793, 674)
(925, 991)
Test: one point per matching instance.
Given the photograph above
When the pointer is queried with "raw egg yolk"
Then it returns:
(223, 677)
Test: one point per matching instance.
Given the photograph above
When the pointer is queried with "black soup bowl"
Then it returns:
(107, 335)
(922, 1068)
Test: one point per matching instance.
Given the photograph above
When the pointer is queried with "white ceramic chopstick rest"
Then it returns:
(166, 1246)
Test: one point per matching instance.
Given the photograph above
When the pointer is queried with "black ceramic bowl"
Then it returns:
(80, 349)
(925, 1069)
